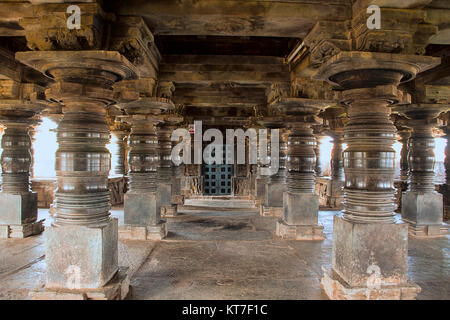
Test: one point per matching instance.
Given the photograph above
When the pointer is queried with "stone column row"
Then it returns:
(422, 206)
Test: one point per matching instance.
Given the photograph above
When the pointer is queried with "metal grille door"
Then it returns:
(217, 178)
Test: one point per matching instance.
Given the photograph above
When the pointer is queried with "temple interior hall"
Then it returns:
(225, 150)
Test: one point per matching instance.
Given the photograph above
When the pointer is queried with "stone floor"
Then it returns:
(223, 256)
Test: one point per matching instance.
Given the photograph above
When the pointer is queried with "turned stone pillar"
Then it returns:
(318, 167)
(422, 206)
(445, 189)
(142, 213)
(142, 204)
(300, 202)
(261, 181)
(19, 103)
(271, 187)
(404, 166)
(18, 218)
(82, 241)
(121, 151)
(166, 171)
(276, 183)
(336, 184)
(370, 246)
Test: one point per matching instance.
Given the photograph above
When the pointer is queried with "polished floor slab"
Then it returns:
(223, 256)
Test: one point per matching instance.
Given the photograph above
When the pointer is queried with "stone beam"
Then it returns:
(196, 69)
(10, 13)
(220, 95)
(236, 18)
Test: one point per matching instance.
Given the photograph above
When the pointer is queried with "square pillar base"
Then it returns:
(367, 252)
(116, 289)
(274, 193)
(156, 232)
(18, 209)
(298, 232)
(169, 211)
(164, 193)
(427, 231)
(22, 231)
(141, 208)
(276, 212)
(81, 257)
(423, 208)
(336, 289)
(301, 208)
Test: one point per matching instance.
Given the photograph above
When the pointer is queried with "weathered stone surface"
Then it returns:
(85, 257)
(149, 232)
(18, 208)
(142, 208)
(116, 289)
(422, 208)
(336, 289)
(299, 232)
(274, 193)
(300, 208)
(358, 247)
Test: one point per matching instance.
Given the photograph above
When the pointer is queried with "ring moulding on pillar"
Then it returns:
(83, 84)
(367, 233)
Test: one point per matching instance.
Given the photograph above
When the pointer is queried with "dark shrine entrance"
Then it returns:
(218, 177)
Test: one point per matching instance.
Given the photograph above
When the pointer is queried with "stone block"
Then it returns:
(422, 208)
(271, 211)
(362, 251)
(141, 209)
(156, 232)
(336, 289)
(260, 188)
(23, 230)
(116, 289)
(169, 211)
(300, 208)
(164, 192)
(18, 209)
(81, 257)
(297, 232)
(274, 194)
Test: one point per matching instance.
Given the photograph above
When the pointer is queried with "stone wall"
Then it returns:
(45, 190)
